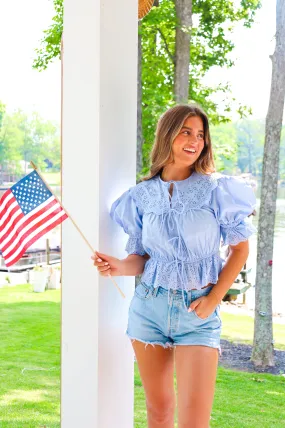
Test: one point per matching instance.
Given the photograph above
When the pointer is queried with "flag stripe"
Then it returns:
(5, 199)
(55, 223)
(32, 235)
(28, 210)
(11, 250)
(32, 224)
(12, 203)
(23, 222)
(27, 216)
(11, 222)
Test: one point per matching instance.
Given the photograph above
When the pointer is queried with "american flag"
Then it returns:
(28, 210)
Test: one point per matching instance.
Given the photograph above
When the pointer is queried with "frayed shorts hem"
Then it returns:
(164, 345)
(168, 345)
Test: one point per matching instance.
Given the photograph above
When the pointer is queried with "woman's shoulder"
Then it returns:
(148, 196)
(231, 183)
(233, 192)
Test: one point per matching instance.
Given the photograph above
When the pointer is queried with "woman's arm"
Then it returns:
(130, 266)
(234, 263)
(205, 305)
(134, 264)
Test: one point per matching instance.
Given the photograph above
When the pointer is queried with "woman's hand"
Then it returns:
(108, 265)
(204, 306)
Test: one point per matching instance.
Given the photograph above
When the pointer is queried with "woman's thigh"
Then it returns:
(196, 369)
(156, 367)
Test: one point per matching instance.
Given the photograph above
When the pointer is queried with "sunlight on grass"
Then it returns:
(31, 398)
(52, 178)
(274, 393)
(239, 328)
(22, 395)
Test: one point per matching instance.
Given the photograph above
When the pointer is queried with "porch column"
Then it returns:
(98, 164)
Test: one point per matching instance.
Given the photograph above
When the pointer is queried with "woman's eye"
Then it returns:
(201, 136)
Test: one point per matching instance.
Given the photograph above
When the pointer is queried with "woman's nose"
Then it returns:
(193, 138)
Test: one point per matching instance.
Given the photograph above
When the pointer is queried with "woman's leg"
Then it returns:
(156, 367)
(196, 369)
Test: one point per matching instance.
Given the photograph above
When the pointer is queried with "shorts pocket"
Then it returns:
(142, 291)
(197, 295)
(203, 319)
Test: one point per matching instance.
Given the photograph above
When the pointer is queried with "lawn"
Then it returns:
(52, 178)
(30, 339)
(240, 329)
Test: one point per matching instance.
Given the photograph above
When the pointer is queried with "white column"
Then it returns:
(98, 164)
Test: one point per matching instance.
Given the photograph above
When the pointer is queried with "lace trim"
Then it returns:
(182, 275)
(134, 246)
(152, 195)
(234, 234)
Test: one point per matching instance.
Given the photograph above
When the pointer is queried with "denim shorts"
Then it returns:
(158, 316)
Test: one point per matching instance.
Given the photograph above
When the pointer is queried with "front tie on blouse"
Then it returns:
(171, 217)
(182, 234)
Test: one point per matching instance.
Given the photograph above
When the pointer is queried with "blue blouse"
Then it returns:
(182, 233)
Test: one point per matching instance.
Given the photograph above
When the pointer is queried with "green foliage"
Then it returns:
(238, 147)
(210, 46)
(224, 141)
(251, 143)
(213, 23)
(2, 113)
(25, 138)
(50, 44)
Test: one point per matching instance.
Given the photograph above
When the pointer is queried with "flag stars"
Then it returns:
(31, 192)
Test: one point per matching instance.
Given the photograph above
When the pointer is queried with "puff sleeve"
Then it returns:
(125, 212)
(233, 201)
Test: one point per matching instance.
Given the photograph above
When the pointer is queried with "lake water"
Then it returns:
(278, 272)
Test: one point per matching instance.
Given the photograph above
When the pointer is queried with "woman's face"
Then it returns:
(189, 143)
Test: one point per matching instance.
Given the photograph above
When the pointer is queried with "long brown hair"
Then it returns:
(168, 127)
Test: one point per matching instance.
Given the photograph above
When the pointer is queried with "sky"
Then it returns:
(21, 28)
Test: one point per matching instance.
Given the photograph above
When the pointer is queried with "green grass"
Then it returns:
(30, 339)
(239, 328)
(52, 178)
(242, 400)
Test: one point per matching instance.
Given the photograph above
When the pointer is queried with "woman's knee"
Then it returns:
(162, 410)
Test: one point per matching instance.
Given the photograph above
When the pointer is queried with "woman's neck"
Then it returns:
(175, 174)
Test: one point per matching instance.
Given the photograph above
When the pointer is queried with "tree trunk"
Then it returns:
(139, 106)
(262, 354)
(139, 98)
(182, 49)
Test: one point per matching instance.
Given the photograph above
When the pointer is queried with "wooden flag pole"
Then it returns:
(69, 216)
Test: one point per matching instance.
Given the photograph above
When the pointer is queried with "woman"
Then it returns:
(175, 219)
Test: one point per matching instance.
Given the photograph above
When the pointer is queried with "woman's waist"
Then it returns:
(178, 259)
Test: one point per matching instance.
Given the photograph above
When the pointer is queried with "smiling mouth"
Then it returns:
(191, 151)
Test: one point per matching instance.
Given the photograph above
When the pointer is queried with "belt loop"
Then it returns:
(155, 291)
(189, 297)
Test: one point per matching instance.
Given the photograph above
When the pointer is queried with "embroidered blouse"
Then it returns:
(182, 233)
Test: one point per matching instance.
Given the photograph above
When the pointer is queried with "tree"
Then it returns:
(251, 143)
(262, 354)
(210, 47)
(182, 50)
(25, 138)
(2, 113)
(282, 155)
(160, 31)
(224, 139)
(139, 106)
